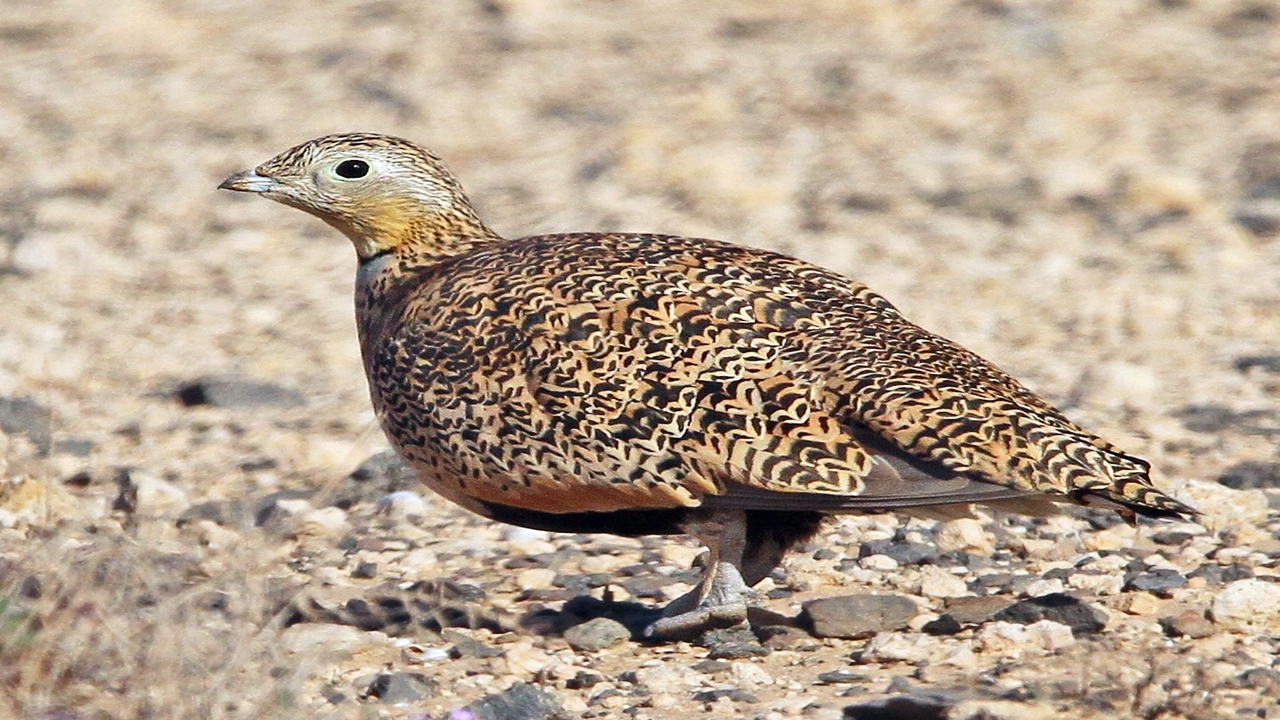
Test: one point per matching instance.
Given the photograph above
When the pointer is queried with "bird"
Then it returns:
(646, 384)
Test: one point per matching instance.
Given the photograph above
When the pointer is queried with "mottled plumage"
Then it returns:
(642, 384)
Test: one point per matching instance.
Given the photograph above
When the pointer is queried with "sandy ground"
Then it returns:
(1086, 193)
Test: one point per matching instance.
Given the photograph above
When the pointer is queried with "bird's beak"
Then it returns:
(249, 181)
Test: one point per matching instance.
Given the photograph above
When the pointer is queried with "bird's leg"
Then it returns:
(720, 600)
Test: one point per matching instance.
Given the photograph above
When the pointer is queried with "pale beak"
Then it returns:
(249, 181)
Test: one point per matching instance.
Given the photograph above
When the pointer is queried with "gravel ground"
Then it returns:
(1086, 193)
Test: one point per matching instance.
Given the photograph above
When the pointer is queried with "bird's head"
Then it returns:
(384, 193)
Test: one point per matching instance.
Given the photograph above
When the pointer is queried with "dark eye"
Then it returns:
(352, 169)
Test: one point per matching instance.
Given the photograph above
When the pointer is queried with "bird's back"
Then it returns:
(599, 372)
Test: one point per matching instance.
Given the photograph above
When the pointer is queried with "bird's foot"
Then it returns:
(719, 602)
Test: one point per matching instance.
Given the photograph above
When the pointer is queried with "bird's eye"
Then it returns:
(352, 169)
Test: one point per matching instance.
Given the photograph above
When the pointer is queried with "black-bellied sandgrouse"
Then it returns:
(651, 384)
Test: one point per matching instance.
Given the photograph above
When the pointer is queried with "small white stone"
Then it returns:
(880, 563)
(323, 522)
(749, 676)
(1248, 606)
(936, 582)
(1044, 586)
(402, 504)
(964, 535)
(535, 578)
(1097, 584)
(157, 497)
(898, 647)
(1052, 636)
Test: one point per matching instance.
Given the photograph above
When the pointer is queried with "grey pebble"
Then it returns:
(1251, 474)
(396, 687)
(1081, 617)
(976, 610)
(521, 701)
(23, 416)
(857, 616)
(596, 634)
(1160, 582)
(902, 707)
(906, 553)
(734, 694)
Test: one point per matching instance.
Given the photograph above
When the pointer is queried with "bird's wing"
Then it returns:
(702, 384)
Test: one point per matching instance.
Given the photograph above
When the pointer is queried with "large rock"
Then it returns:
(857, 616)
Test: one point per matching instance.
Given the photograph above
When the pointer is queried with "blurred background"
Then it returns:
(1087, 194)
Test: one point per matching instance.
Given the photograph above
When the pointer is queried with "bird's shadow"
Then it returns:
(634, 616)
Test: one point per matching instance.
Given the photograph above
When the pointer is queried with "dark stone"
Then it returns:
(1251, 474)
(1160, 582)
(902, 707)
(1262, 219)
(825, 554)
(841, 677)
(596, 634)
(998, 581)
(906, 553)
(398, 687)
(229, 391)
(26, 417)
(945, 624)
(472, 648)
(976, 610)
(1081, 617)
(1217, 418)
(1267, 363)
(1189, 624)
(1214, 574)
(519, 702)
(856, 616)
(734, 694)
(584, 679)
(732, 643)
(710, 667)
(365, 570)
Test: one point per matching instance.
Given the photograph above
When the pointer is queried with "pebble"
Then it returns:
(402, 505)
(1138, 603)
(535, 578)
(1160, 583)
(1006, 638)
(976, 610)
(23, 416)
(396, 687)
(1188, 623)
(881, 563)
(521, 701)
(596, 634)
(936, 582)
(964, 535)
(1247, 606)
(231, 391)
(945, 624)
(902, 707)
(322, 522)
(1060, 608)
(1044, 586)
(749, 676)
(857, 616)
(150, 495)
(904, 552)
(898, 647)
